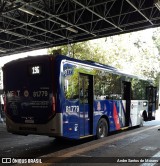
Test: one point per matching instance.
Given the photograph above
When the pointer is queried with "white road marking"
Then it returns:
(157, 155)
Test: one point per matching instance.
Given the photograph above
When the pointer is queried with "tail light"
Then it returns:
(53, 104)
(5, 103)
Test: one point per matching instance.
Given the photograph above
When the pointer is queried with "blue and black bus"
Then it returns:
(63, 97)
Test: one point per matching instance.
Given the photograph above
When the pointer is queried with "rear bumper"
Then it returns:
(53, 128)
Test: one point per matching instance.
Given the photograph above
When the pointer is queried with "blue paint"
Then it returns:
(79, 120)
(77, 124)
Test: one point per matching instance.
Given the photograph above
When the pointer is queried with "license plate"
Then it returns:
(29, 121)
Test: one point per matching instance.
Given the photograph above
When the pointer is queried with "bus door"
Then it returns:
(127, 98)
(151, 93)
(86, 104)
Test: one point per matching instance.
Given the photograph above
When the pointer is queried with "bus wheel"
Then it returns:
(144, 116)
(102, 128)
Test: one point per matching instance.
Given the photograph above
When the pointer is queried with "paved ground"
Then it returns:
(140, 146)
(131, 147)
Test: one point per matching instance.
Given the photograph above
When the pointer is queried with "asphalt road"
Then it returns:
(30, 146)
(118, 148)
(138, 143)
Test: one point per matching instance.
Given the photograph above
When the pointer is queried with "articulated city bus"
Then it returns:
(63, 97)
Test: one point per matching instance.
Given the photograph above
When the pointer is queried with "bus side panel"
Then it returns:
(134, 113)
(68, 107)
(113, 110)
(71, 125)
(137, 108)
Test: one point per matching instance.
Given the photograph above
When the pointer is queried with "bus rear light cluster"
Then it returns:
(5, 104)
(53, 104)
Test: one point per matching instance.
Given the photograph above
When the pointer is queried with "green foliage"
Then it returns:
(73, 86)
(156, 38)
(139, 89)
(73, 89)
(82, 50)
(137, 52)
(75, 50)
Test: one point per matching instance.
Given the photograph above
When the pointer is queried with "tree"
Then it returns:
(75, 50)
(135, 52)
(82, 50)
(156, 38)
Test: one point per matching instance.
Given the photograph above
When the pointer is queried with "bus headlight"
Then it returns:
(145, 104)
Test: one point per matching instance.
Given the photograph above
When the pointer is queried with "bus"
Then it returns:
(59, 96)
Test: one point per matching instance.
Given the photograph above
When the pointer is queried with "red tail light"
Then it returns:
(53, 104)
(5, 104)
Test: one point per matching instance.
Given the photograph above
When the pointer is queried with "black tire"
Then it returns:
(102, 128)
(145, 116)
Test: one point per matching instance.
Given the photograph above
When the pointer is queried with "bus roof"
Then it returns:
(85, 62)
(103, 66)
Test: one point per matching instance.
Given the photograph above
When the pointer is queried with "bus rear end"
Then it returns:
(30, 97)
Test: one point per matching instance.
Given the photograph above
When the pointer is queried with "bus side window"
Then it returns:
(81, 92)
(71, 87)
